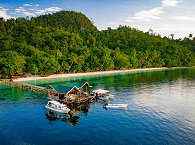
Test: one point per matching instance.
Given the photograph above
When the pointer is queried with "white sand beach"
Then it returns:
(56, 76)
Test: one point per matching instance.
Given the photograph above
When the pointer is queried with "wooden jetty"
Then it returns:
(25, 86)
(59, 93)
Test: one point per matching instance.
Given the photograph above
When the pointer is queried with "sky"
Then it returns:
(162, 16)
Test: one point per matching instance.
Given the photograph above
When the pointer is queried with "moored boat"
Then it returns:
(115, 106)
(55, 106)
(101, 93)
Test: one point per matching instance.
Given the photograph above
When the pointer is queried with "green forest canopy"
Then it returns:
(68, 41)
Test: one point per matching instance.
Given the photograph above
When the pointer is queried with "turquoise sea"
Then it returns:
(161, 110)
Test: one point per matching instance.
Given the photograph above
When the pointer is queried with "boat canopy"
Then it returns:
(54, 102)
(100, 91)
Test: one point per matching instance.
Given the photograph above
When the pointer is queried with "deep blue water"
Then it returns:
(161, 111)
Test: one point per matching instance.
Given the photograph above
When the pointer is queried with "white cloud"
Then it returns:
(3, 13)
(147, 15)
(40, 12)
(165, 19)
(29, 14)
(170, 3)
(183, 18)
(154, 13)
(48, 10)
(53, 9)
(25, 12)
(20, 10)
(33, 11)
(27, 5)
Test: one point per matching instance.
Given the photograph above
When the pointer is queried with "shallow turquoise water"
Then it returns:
(161, 111)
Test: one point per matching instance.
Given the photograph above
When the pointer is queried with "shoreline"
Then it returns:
(57, 76)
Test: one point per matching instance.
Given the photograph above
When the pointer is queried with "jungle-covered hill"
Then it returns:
(68, 41)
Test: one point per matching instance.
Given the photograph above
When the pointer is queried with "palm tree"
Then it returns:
(150, 31)
(172, 36)
(190, 36)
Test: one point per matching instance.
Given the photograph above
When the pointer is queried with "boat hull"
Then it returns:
(57, 110)
(116, 106)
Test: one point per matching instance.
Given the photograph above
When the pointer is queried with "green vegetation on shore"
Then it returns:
(67, 41)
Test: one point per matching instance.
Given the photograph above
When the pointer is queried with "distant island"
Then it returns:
(68, 42)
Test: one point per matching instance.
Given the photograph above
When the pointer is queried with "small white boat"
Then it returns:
(115, 106)
(55, 106)
(101, 93)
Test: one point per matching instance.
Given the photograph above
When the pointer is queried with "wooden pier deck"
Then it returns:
(25, 86)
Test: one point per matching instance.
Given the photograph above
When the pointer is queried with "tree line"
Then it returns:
(67, 42)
